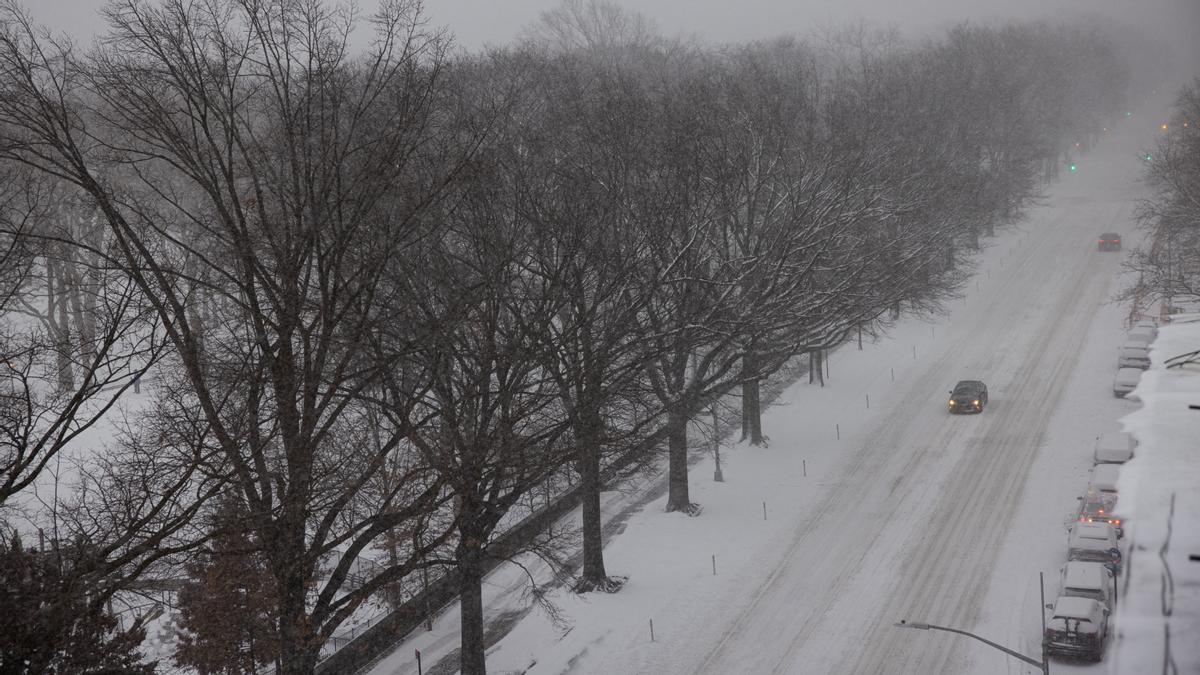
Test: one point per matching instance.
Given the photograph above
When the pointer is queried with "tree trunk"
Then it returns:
(85, 326)
(472, 654)
(589, 473)
(819, 355)
(297, 653)
(56, 315)
(677, 473)
(752, 413)
(751, 405)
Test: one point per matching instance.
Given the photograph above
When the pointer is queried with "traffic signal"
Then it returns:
(1072, 167)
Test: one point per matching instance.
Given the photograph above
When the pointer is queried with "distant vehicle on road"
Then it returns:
(1110, 241)
(1078, 628)
(1125, 381)
(968, 396)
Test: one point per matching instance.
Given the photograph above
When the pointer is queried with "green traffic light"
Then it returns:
(1148, 158)
(1073, 168)
(1129, 114)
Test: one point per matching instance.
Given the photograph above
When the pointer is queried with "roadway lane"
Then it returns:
(923, 505)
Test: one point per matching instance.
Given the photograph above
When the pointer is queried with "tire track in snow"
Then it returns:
(875, 463)
(1006, 457)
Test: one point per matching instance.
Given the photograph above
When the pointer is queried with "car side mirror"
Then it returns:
(1051, 605)
(1079, 499)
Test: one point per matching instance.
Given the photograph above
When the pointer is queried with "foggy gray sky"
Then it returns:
(478, 22)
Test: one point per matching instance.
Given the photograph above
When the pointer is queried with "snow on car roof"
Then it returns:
(1073, 606)
(1128, 375)
(1092, 531)
(1104, 477)
(1081, 574)
(1087, 610)
(1116, 439)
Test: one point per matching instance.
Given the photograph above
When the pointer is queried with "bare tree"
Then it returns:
(1168, 268)
(599, 28)
(497, 426)
(588, 251)
(245, 162)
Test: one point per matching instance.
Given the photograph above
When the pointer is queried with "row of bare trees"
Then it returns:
(1168, 266)
(385, 294)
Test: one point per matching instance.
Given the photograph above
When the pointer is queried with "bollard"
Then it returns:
(419, 670)
(868, 401)
(838, 428)
(914, 352)
(714, 558)
(652, 630)
(804, 467)
(764, 510)
(893, 374)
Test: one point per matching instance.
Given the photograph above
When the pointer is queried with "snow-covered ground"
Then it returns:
(872, 505)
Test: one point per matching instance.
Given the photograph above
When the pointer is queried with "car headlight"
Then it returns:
(951, 402)
(975, 402)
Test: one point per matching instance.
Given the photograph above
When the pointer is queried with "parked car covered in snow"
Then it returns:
(1092, 580)
(1097, 507)
(1109, 241)
(1145, 330)
(1114, 447)
(1094, 542)
(1125, 381)
(968, 396)
(1078, 627)
(1133, 355)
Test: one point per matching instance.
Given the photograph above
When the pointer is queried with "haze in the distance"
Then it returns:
(476, 23)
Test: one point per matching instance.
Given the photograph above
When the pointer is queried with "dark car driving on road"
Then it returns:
(1110, 241)
(968, 396)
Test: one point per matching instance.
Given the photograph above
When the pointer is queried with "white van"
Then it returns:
(1093, 580)
(1133, 355)
(1114, 447)
(1125, 381)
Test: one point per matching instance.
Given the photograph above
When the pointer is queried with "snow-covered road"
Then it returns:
(881, 506)
(924, 503)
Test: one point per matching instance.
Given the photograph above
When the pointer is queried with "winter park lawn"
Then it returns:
(872, 505)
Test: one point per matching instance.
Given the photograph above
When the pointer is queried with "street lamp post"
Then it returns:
(1043, 664)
